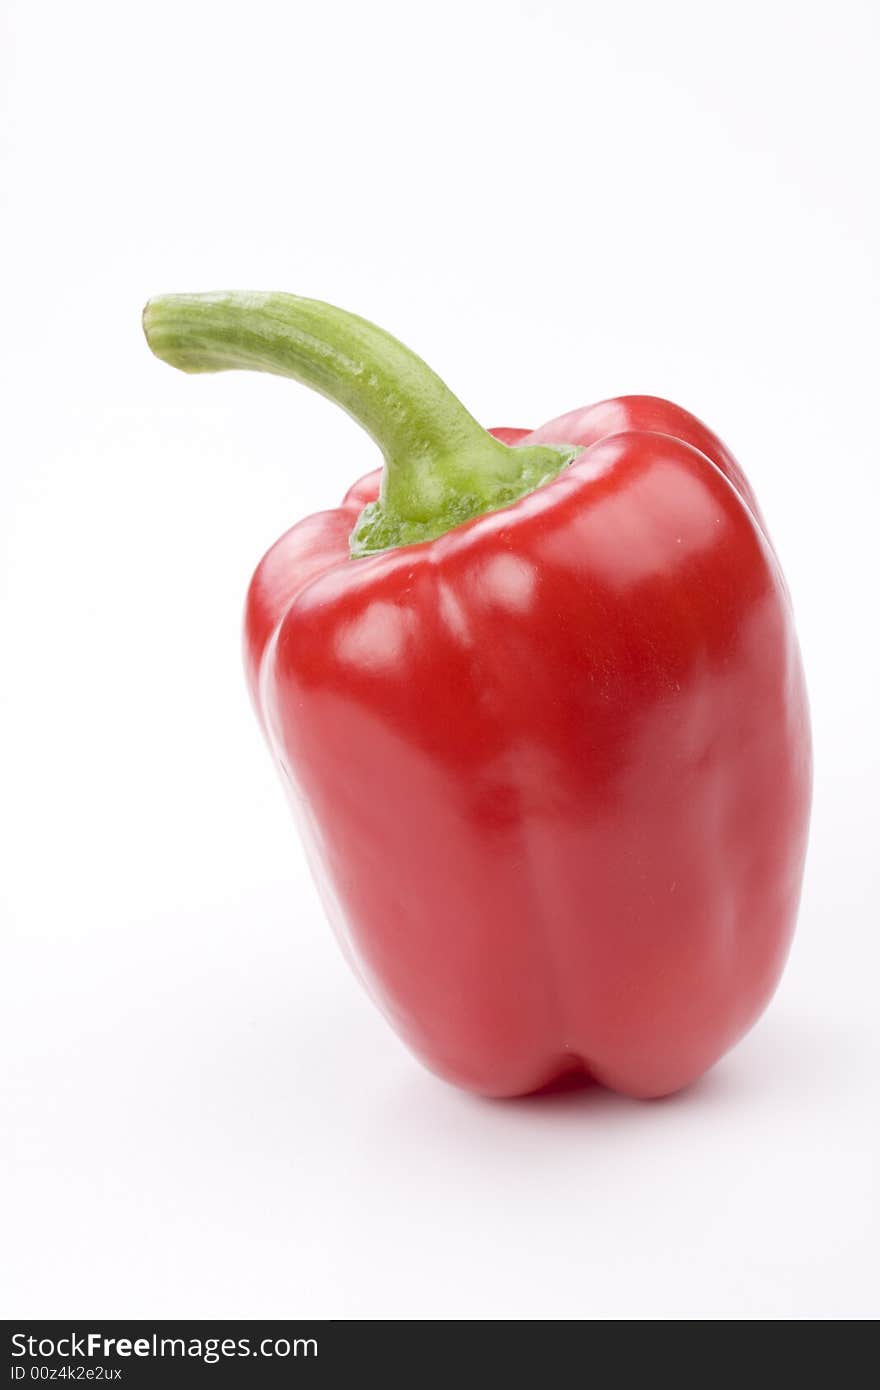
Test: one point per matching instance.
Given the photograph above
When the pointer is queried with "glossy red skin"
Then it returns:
(553, 768)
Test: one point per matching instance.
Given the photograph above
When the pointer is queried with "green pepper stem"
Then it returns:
(441, 467)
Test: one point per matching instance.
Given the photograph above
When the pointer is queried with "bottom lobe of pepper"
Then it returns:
(566, 1078)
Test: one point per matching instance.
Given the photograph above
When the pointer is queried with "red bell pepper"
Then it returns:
(539, 702)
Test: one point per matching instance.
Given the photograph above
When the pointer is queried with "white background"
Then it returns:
(553, 202)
